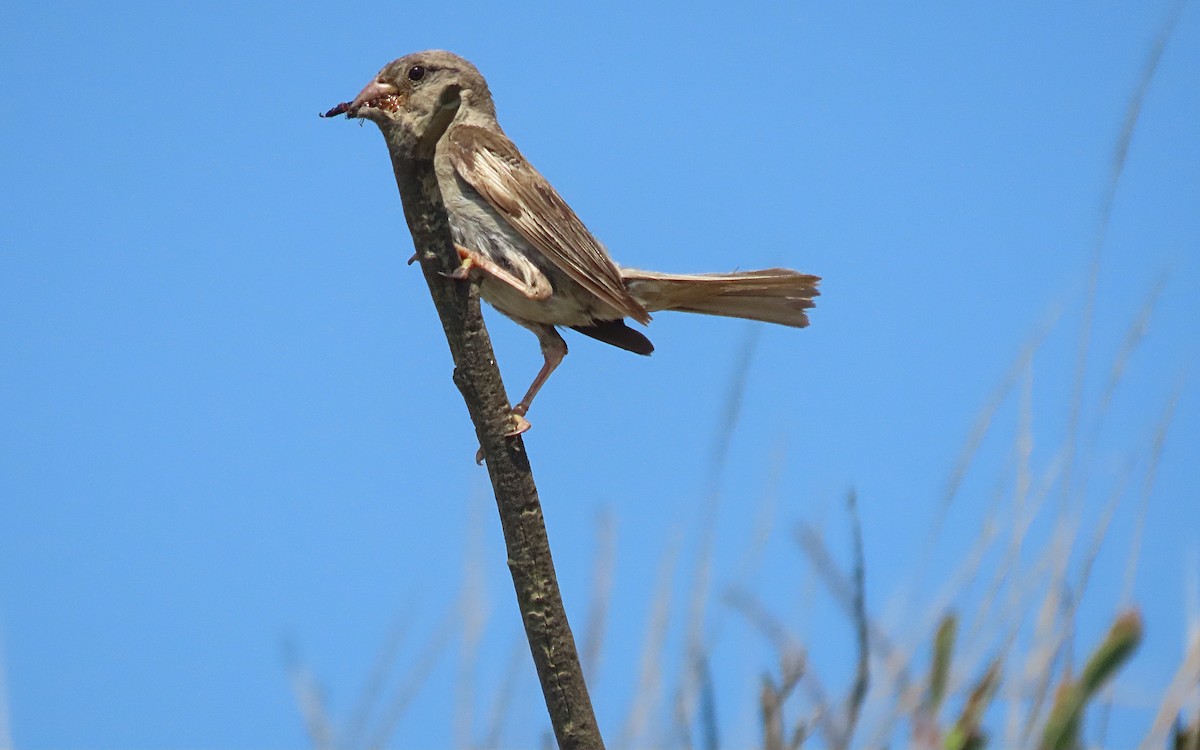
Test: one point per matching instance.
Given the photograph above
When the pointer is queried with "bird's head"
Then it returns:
(416, 91)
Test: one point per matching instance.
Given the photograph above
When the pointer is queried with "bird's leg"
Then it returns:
(536, 289)
(553, 350)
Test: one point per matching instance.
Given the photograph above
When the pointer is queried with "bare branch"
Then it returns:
(478, 379)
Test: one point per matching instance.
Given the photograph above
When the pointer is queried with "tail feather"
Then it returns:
(773, 295)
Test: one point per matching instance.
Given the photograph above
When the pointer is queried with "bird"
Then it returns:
(531, 256)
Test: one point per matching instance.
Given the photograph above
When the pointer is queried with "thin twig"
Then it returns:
(505, 693)
(602, 586)
(1133, 111)
(710, 735)
(1135, 548)
(771, 627)
(772, 698)
(1050, 632)
(647, 694)
(309, 698)
(411, 686)
(843, 593)
(353, 736)
(979, 430)
(858, 692)
(688, 689)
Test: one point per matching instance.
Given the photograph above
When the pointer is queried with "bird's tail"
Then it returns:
(774, 295)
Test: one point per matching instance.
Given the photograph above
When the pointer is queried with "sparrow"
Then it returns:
(518, 240)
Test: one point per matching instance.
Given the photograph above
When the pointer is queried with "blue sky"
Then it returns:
(228, 419)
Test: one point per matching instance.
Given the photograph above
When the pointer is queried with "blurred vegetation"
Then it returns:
(999, 676)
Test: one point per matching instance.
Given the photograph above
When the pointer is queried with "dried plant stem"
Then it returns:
(858, 693)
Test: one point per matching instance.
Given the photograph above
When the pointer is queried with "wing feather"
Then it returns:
(491, 164)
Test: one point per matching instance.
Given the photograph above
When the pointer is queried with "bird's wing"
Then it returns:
(491, 164)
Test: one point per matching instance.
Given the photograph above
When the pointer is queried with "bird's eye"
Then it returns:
(416, 72)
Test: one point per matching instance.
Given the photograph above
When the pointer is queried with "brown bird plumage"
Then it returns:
(532, 256)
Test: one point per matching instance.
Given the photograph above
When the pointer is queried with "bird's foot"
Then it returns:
(466, 261)
(461, 273)
(518, 425)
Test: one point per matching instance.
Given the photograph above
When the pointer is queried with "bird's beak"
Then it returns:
(376, 94)
(373, 94)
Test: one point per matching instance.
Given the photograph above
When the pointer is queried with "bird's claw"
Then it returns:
(518, 425)
(463, 271)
